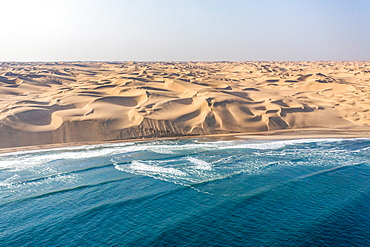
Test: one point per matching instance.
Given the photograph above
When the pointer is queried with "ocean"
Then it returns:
(188, 192)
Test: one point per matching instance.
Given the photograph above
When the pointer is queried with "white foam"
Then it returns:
(12, 182)
(200, 164)
(109, 148)
(20, 163)
(149, 169)
(276, 144)
(70, 148)
(28, 159)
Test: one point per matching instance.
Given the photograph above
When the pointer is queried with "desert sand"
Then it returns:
(79, 102)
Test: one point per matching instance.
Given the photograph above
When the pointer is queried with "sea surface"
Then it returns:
(188, 192)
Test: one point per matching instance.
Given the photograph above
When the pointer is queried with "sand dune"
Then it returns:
(43, 103)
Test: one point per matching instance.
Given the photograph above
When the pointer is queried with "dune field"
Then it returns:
(62, 102)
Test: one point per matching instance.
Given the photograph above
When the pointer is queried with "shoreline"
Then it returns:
(308, 133)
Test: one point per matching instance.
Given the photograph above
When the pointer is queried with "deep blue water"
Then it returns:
(192, 192)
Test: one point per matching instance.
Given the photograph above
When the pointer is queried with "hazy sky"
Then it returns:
(178, 30)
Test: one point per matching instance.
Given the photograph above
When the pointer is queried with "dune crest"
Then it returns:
(59, 102)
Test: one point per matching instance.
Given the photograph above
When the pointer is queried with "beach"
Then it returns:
(65, 103)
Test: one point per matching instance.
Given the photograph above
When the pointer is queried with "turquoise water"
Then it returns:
(193, 192)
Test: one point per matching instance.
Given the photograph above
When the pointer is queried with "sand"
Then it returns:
(84, 102)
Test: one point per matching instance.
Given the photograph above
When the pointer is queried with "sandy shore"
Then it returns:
(81, 103)
(266, 135)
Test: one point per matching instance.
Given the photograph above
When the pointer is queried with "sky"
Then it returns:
(184, 30)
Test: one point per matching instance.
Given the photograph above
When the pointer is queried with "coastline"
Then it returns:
(308, 133)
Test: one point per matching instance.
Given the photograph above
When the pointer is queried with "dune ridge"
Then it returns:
(61, 102)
